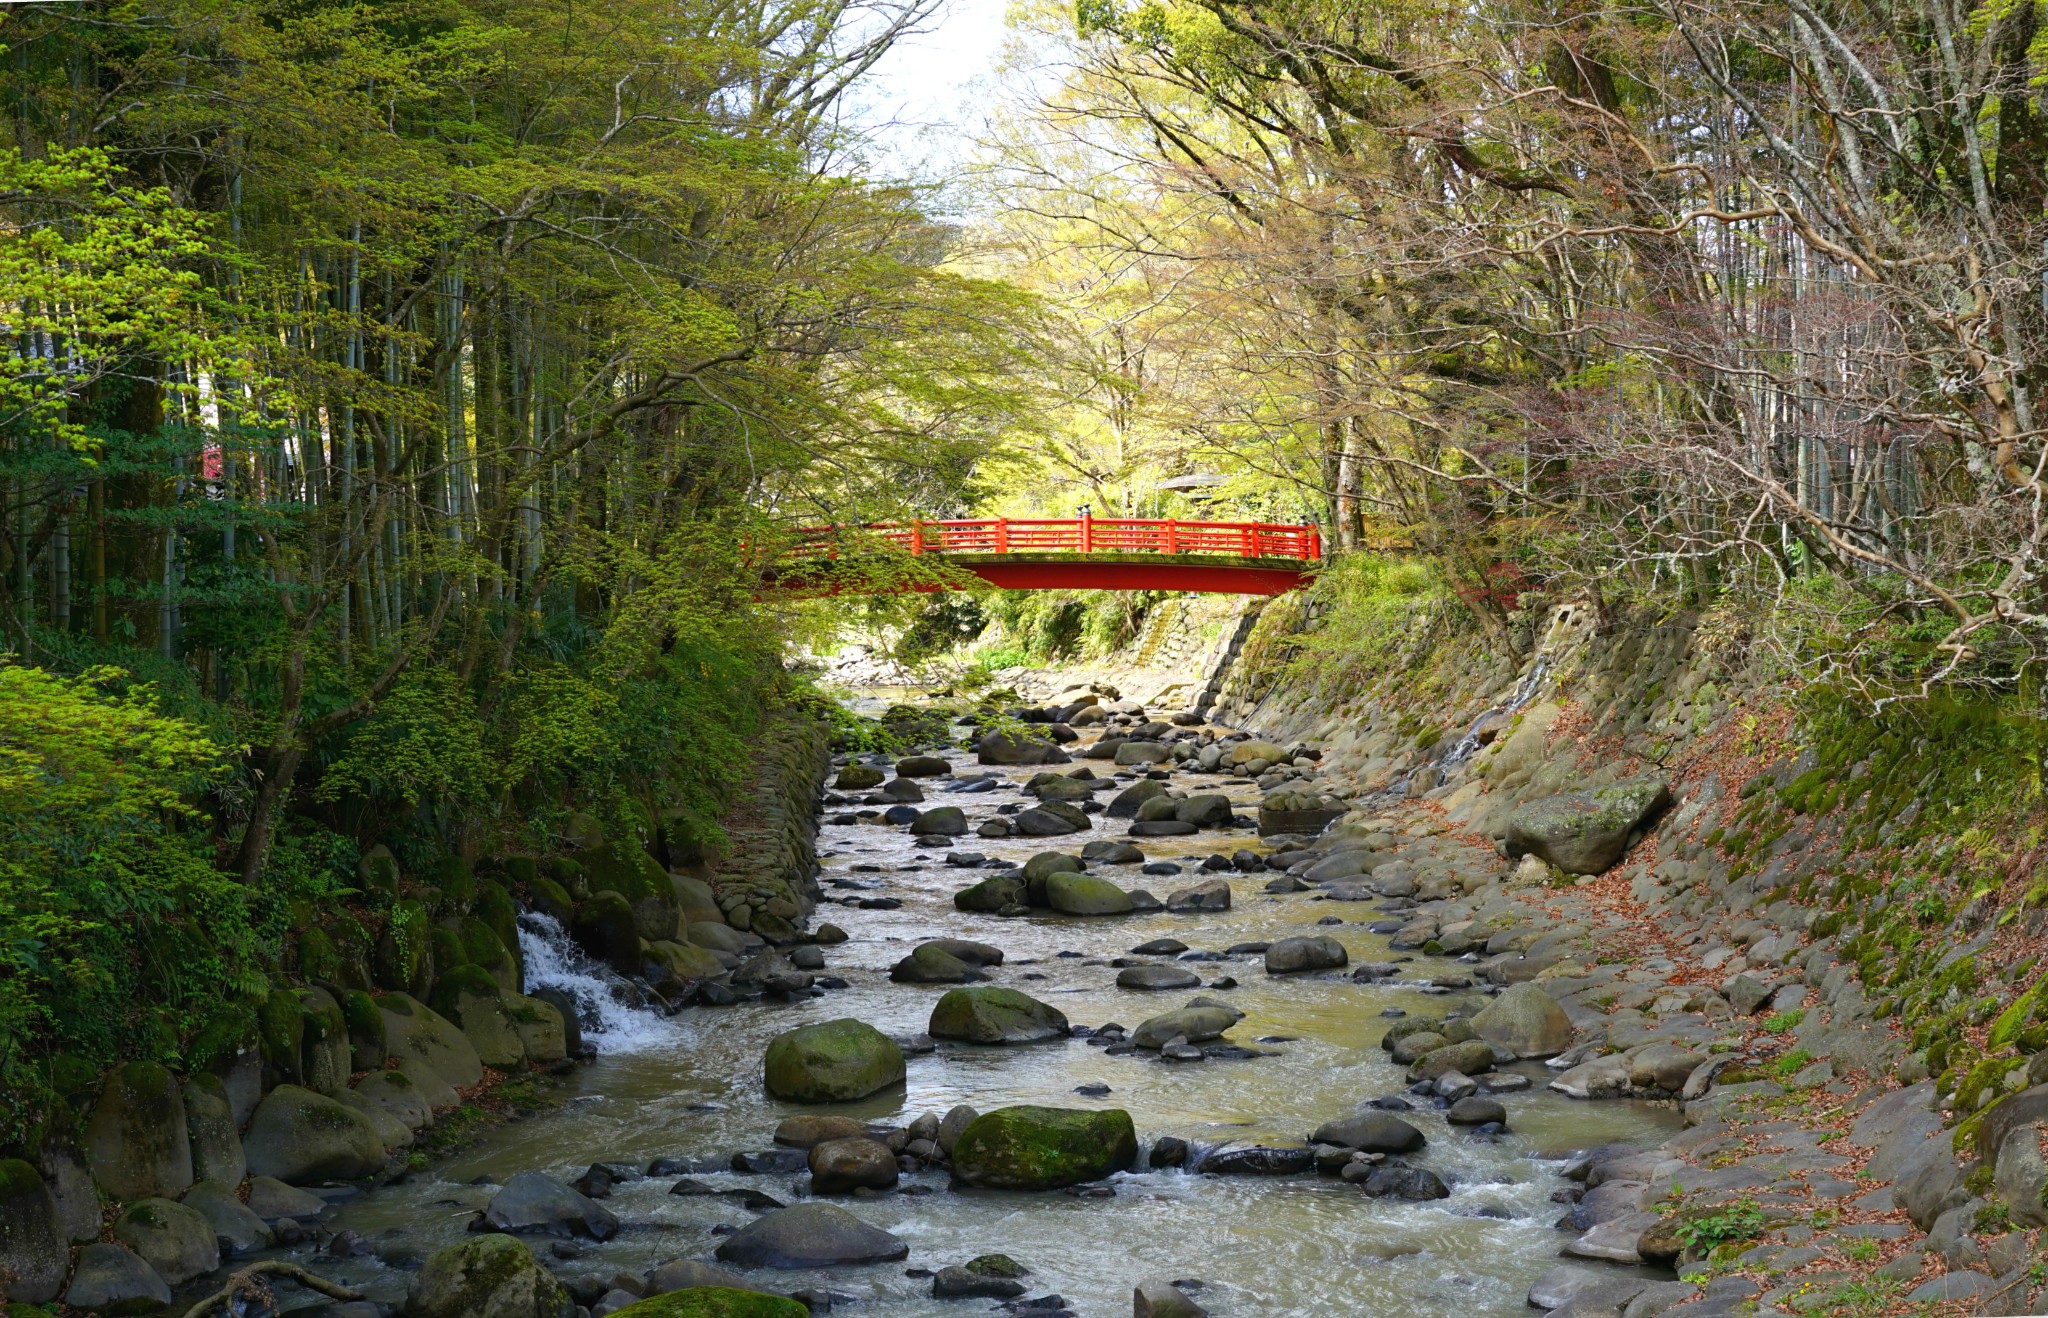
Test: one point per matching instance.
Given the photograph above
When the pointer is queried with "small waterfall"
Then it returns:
(602, 998)
(1525, 691)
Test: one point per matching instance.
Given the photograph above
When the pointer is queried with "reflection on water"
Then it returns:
(690, 1086)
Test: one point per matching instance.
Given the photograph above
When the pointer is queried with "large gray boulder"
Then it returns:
(1205, 810)
(422, 1040)
(1125, 804)
(395, 1093)
(32, 1244)
(272, 1201)
(533, 1203)
(113, 1279)
(1052, 819)
(1209, 895)
(1527, 1020)
(136, 1140)
(1293, 955)
(1586, 832)
(689, 1274)
(2021, 1176)
(831, 1062)
(1163, 1299)
(810, 1236)
(216, 1144)
(173, 1239)
(492, 1276)
(238, 1230)
(987, 1013)
(302, 1138)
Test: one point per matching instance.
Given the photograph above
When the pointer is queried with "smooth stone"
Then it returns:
(810, 1235)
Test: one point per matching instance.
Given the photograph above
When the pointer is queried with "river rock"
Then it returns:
(1372, 1132)
(1476, 1111)
(1041, 821)
(114, 1279)
(1194, 1023)
(940, 821)
(987, 1013)
(995, 893)
(832, 1062)
(1257, 1160)
(1163, 1299)
(858, 778)
(1662, 1066)
(303, 1138)
(804, 1131)
(1399, 1181)
(1043, 1148)
(842, 1166)
(534, 1203)
(1125, 804)
(1585, 832)
(33, 1250)
(1204, 810)
(136, 1141)
(1017, 747)
(1214, 895)
(238, 1229)
(809, 1235)
(923, 766)
(1412, 1047)
(1473, 1057)
(734, 1301)
(1111, 851)
(1085, 894)
(959, 1283)
(1292, 955)
(689, 1274)
(1527, 1020)
(928, 963)
(273, 1200)
(1157, 977)
(489, 1276)
(173, 1239)
(958, 1118)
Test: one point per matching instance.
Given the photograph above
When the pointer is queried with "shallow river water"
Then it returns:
(690, 1086)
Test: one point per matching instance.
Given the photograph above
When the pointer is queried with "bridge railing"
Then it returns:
(1078, 535)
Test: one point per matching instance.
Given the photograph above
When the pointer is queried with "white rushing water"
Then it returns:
(553, 960)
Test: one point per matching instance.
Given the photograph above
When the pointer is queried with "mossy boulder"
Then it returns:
(459, 982)
(175, 1240)
(832, 1062)
(1043, 1148)
(377, 875)
(1586, 832)
(543, 1035)
(858, 778)
(424, 1041)
(1085, 894)
(627, 869)
(551, 899)
(455, 882)
(210, 1121)
(281, 1027)
(495, 907)
(686, 963)
(1125, 804)
(33, 1250)
(493, 953)
(1527, 1020)
(404, 954)
(695, 899)
(303, 1138)
(323, 1041)
(136, 1141)
(989, 1013)
(492, 1276)
(995, 893)
(810, 1235)
(941, 821)
(1197, 1024)
(714, 1302)
(397, 1094)
(606, 928)
(366, 1045)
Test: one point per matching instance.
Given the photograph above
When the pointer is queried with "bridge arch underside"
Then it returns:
(1187, 573)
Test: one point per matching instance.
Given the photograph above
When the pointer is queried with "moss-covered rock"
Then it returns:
(319, 959)
(542, 1033)
(377, 875)
(303, 1138)
(175, 1240)
(455, 882)
(495, 907)
(992, 894)
(459, 981)
(216, 1139)
(551, 899)
(404, 956)
(606, 928)
(989, 1013)
(1043, 1148)
(715, 1302)
(281, 1026)
(629, 871)
(695, 899)
(365, 1031)
(1586, 832)
(1085, 894)
(136, 1141)
(421, 1039)
(323, 1042)
(832, 1062)
(492, 1276)
(491, 952)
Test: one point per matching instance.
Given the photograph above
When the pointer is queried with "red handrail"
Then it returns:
(1084, 535)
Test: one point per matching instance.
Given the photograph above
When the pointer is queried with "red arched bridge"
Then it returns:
(1075, 553)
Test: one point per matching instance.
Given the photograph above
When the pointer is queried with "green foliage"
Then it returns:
(117, 934)
(1705, 1232)
(1783, 1022)
(1371, 605)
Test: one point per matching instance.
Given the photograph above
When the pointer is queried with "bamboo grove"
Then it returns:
(1695, 300)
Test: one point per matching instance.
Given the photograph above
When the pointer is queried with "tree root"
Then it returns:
(246, 1277)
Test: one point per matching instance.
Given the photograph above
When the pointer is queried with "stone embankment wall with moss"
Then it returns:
(402, 1022)
(1883, 864)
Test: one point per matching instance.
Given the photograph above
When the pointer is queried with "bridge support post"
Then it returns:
(1087, 530)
